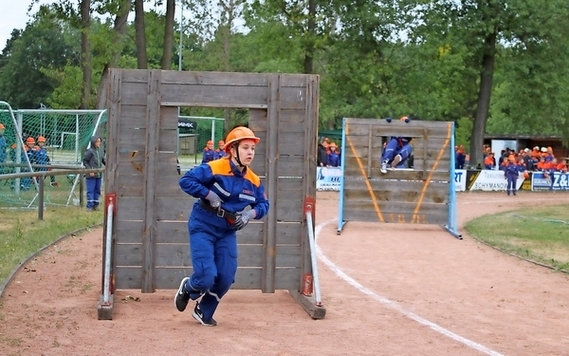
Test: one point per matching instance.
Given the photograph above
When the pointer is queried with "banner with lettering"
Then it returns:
(491, 180)
(328, 178)
(460, 180)
(550, 181)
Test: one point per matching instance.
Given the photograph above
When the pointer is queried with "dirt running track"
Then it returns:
(388, 290)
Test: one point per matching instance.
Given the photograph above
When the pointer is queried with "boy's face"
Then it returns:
(98, 143)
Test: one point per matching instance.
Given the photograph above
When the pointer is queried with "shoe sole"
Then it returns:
(179, 291)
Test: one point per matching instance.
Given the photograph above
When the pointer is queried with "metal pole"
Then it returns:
(108, 240)
(77, 138)
(19, 150)
(40, 199)
(315, 278)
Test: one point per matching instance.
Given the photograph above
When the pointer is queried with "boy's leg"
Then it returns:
(390, 150)
(90, 183)
(401, 156)
(97, 192)
(388, 154)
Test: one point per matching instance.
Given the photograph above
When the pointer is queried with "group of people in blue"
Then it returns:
(329, 154)
(33, 151)
(209, 153)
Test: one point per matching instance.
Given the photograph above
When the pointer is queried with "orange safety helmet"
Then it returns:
(30, 140)
(526, 174)
(41, 139)
(237, 134)
(333, 144)
(2, 126)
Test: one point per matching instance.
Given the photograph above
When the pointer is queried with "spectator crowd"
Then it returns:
(535, 160)
(328, 153)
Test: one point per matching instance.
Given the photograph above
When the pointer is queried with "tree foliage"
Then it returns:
(494, 66)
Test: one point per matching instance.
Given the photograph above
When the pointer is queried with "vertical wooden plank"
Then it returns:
(152, 142)
(113, 120)
(425, 146)
(269, 234)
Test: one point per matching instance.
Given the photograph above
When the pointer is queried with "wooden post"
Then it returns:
(150, 172)
(269, 238)
(40, 198)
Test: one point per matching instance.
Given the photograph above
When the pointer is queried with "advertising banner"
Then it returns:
(551, 181)
(490, 180)
(460, 180)
(328, 178)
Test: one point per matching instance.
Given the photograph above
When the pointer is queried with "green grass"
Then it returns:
(540, 234)
(21, 233)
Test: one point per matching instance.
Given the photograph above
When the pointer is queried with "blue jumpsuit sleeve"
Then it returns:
(196, 180)
(261, 205)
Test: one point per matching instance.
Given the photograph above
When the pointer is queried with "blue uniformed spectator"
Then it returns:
(208, 152)
(3, 146)
(511, 173)
(30, 152)
(333, 157)
(220, 152)
(43, 158)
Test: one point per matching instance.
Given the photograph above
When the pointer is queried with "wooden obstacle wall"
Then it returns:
(151, 249)
(419, 196)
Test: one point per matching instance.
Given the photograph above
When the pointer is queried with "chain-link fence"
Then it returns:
(40, 137)
(31, 139)
(194, 133)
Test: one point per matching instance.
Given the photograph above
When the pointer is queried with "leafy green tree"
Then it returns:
(487, 29)
(44, 44)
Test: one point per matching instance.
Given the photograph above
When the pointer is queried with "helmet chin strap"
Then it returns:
(236, 145)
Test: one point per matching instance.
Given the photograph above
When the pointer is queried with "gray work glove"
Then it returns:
(243, 219)
(214, 199)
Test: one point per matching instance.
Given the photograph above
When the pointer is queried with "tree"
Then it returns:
(487, 28)
(168, 44)
(45, 43)
(141, 55)
(86, 64)
(119, 30)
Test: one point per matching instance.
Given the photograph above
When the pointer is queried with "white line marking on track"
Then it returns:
(393, 305)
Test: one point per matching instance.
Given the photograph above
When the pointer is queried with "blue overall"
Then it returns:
(208, 155)
(31, 153)
(397, 146)
(43, 159)
(511, 172)
(333, 159)
(213, 240)
(219, 153)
